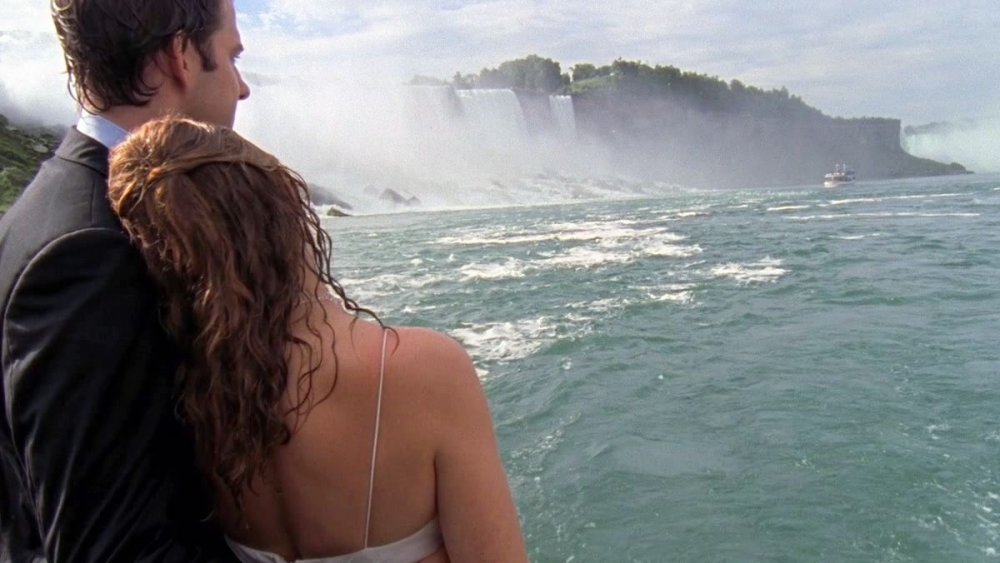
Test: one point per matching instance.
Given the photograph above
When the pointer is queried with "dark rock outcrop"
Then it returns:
(392, 196)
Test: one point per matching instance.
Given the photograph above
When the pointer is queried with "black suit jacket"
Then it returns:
(94, 466)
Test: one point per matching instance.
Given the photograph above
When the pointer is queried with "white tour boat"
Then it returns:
(840, 176)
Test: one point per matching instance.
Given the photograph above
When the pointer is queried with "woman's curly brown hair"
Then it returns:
(230, 239)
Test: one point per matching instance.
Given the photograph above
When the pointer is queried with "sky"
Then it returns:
(917, 60)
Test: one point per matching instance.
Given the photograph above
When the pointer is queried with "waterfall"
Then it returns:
(431, 108)
(494, 116)
(563, 116)
(972, 143)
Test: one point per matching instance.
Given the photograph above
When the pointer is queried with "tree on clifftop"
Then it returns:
(531, 73)
(585, 71)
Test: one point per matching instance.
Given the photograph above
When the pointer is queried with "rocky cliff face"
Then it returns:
(662, 139)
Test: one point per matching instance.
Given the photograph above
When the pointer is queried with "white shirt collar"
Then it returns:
(100, 129)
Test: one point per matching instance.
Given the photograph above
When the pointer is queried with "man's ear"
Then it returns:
(173, 61)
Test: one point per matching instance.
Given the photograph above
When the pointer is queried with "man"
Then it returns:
(94, 465)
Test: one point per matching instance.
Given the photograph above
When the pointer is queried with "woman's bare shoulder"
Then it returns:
(432, 361)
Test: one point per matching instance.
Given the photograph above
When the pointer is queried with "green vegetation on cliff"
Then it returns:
(530, 74)
(21, 152)
(698, 91)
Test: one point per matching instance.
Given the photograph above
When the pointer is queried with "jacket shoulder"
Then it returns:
(67, 200)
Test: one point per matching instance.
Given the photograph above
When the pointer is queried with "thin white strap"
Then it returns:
(378, 416)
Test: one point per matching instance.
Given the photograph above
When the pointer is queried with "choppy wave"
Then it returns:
(682, 294)
(690, 214)
(905, 197)
(507, 341)
(766, 270)
(857, 237)
(878, 215)
(363, 289)
(603, 243)
(606, 305)
(511, 268)
(558, 232)
(583, 257)
(665, 249)
(855, 200)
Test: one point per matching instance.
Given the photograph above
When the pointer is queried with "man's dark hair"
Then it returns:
(108, 43)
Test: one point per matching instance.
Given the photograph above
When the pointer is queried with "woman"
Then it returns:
(327, 437)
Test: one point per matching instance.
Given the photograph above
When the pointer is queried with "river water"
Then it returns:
(799, 374)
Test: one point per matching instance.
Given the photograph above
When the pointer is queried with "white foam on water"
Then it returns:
(880, 215)
(789, 207)
(580, 322)
(365, 289)
(678, 293)
(858, 237)
(690, 214)
(602, 234)
(663, 249)
(480, 240)
(604, 243)
(510, 269)
(680, 297)
(829, 217)
(665, 235)
(763, 271)
(835, 202)
(583, 257)
(506, 341)
(591, 225)
(559, 232)
(924, 196)
(855, 200)
(639, 240)
(608, 305)
(532, 457)
(933, 429)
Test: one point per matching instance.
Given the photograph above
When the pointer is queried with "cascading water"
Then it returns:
(432, 147)
(563, 115)
(972, 143)
(494, 116)
(431, 108)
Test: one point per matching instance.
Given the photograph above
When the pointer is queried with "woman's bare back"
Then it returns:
(315, 502)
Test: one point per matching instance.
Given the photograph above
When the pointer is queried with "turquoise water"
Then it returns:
(765, 375)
